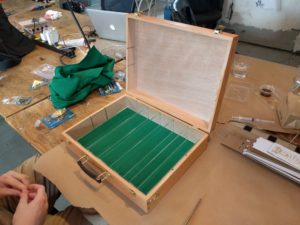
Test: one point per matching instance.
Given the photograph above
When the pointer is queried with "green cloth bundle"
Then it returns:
(72, 83)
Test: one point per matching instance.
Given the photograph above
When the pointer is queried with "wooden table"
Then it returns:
(234, 190)
(18, 79)
(44, 139)
(260, 72)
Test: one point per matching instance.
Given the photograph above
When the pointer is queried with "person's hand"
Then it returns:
(33, 211)
(13, 183)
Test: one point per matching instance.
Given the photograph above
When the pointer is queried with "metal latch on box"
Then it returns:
(219, 29)
(94, 175)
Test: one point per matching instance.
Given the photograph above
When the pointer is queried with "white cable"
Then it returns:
(138, 5)
(147, 1)
(175, 5)
(149, 7)
(141, 1)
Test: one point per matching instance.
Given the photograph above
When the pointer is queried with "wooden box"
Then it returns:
(144, 141)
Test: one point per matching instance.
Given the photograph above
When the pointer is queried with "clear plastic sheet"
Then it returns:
(45, 70)
(16, 100)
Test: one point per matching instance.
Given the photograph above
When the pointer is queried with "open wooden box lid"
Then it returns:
(178, 68)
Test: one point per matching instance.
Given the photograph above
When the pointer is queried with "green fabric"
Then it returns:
(72, 83)
(138, 149)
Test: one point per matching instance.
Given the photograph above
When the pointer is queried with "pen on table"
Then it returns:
(250, 119)
(188, 219)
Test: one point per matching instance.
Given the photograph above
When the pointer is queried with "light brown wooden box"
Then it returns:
(176, 75)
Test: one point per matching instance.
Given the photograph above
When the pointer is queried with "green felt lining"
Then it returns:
(138, 149)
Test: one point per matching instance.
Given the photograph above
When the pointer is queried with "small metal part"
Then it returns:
(138, 13)
(83, 159)
(216, 32)
(59, 113)
(219, 29)
(247, 144)
(103, 176)
(132, 192)
(39, 83)
(153, 199)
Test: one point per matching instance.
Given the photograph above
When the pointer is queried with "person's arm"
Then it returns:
(33, 211)
(12, 183)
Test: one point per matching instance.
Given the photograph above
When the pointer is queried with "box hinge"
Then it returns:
(132, 192)
(152, 200)
(219, 29)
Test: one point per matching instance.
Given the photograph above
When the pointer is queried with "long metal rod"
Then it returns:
(188, 219)
(77, 23)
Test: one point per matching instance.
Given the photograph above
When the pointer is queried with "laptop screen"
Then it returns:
(108, 24)
(126, 6)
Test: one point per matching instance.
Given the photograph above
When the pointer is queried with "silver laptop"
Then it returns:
(108, 24)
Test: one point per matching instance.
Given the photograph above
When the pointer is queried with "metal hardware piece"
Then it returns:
(103, 176)
(85, 158)
(138, 13)
(153, 199)
(247, 144)
(132, 192)
(219, 29)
